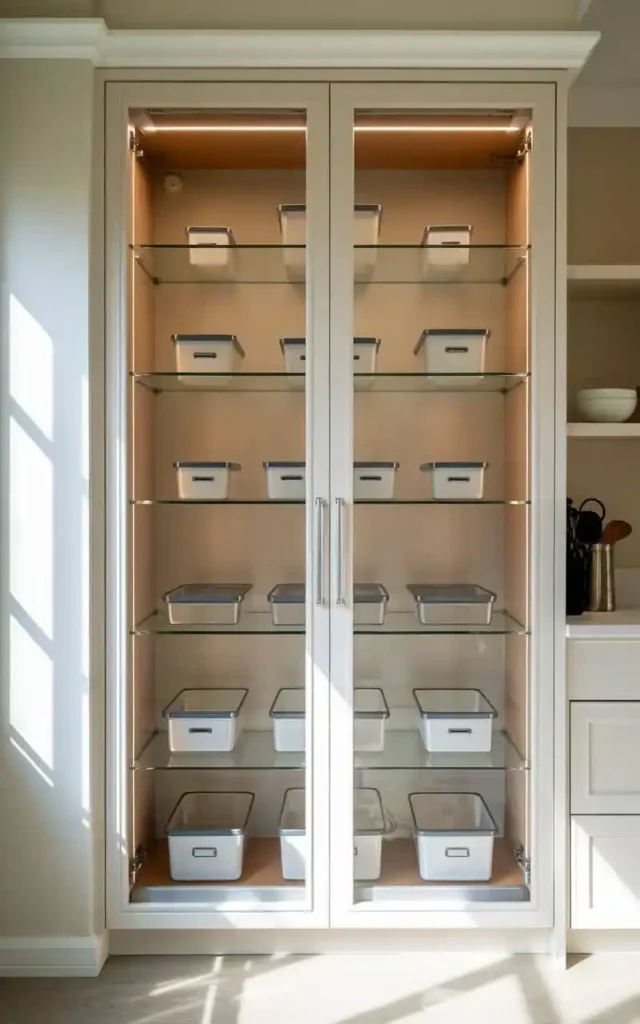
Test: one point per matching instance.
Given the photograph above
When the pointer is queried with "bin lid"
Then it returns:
(221, 702)
(204, 339)
(451, 813)
(289, 703)
(303, 341)
(368, 702)
(284, 465)
(446, 227)
(208, 593)
(368, 814)
(367, 341)
(207, 465)
(369, 593)
(287, 593)
(292, 342)
(449, 332)
(462, 702)
(450, 593)
(453, 465)
(199, 230)
(210, 814)
(376, 465)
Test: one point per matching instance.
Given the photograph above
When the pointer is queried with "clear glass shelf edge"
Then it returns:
(203, 383)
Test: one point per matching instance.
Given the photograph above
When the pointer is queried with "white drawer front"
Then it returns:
(605, 872)
(603, 669)
(605, 758)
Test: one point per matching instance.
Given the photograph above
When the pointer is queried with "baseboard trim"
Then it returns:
(57, 956)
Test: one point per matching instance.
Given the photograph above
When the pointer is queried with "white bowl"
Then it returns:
(607, 405)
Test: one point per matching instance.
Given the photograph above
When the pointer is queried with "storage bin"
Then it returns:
(455, 720)
(365, 357)
(370, 714)
(446, 247)
(452, 604)
(369, 604)
(454, 835)
(196, 354)
(456, 481)
(366, 231)
(369, 828)
(202, 720)
(204, 481)
(211, 248)
(454, 352)
(374, 481)
(206, 834)
(211, 604)
(285, 481)
(287, 603)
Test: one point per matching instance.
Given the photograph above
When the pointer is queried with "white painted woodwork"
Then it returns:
(604, 430)
(605, 757)
(605, 880)
(604, 669)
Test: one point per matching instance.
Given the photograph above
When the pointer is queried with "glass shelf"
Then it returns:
(394, 264)
(463, 383)
(258, 623)
(404, 749)
(368, 501)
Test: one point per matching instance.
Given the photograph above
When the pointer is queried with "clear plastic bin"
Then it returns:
(371, 712)
(374, 481)
(365, 357)
(287, 603)
(211, 248)
(456, 481)
(286, 481)
(204, 481)
(369, 828)
(454, 352)
(452, 604)
(202, 720)
(369, 604)
(455, 720)
(206, 834)
(207, 353)
(366, 231)
(454, 835)
(211, 604)
(446, 247)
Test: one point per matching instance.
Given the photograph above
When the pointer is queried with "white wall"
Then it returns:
(51, 822)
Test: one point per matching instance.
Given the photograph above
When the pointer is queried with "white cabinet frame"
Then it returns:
(541, 100)
(605, 852)
(605, 757)
(121, 914)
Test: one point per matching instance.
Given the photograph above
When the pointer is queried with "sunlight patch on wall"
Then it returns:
(30, 696)
(31, 367)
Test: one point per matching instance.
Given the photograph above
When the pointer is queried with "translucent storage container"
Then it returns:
(365, 357)
(454, 352)
(454, 835)
(370, 717)
(456, 481)
(446, 247)
(286, 481)
(204, 720)
(369, 604)
(455, 720)
(210, 604)
(287, 603)
(452, 604)
(207, 353)
(367, 217)
(206, 834)
(211, 247)
(204, 481)
(369, 828)
(374, 481)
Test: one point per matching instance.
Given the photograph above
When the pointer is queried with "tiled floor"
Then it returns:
(347, 989)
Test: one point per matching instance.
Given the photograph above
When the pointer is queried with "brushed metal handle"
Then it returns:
(340, 508)
(320, 549)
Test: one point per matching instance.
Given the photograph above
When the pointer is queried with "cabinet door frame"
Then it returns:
(586, 829)
(119, 98)
(542, 100)
(585, 718)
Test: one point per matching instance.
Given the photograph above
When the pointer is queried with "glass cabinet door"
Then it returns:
(227, 483)
(442, 324)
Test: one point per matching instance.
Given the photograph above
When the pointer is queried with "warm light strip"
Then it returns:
(396, 128)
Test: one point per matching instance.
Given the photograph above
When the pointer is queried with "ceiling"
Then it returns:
(616, 59)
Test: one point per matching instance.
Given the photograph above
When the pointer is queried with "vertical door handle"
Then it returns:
(340, 505)
(320, 549)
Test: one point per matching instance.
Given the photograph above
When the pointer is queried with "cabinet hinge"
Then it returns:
(526, 146)
(136, 863)
(524, 863)
(133, 144)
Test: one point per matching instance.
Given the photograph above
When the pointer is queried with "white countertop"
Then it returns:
(623, 624)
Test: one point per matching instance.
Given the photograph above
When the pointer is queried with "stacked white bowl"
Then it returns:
(607, 405)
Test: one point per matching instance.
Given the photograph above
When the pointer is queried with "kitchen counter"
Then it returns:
(623, 624)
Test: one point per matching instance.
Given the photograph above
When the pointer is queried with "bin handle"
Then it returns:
(457, 851)
(459, 732)
(367, 479)
(193, 729)
(458, 479)
(204, 851)
(203, 479)
(457, 348)
(205, 355)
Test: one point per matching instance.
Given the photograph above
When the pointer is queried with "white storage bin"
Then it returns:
(370, 715)
(446, 247)
(452, 604)
(455, 720)
(211, 248)
(287, 603)
(366, 231)
(374, 481)
(365, 357)
(204, 481)
(204, 720)
(369, 828)
(293, 229)
(456, 481)
(452, 352)
(369, 604)
(454, 835)
(286, 481)
(197, 354)
(206, 834)
(211, 604)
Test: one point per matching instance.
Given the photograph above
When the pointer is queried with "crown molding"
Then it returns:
(90, 39)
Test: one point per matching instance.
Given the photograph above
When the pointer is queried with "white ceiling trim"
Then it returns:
(90, 39)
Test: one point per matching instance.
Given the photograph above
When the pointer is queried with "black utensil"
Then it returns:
(589, 523)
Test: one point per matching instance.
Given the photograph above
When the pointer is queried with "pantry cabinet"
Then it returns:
(330, 345)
